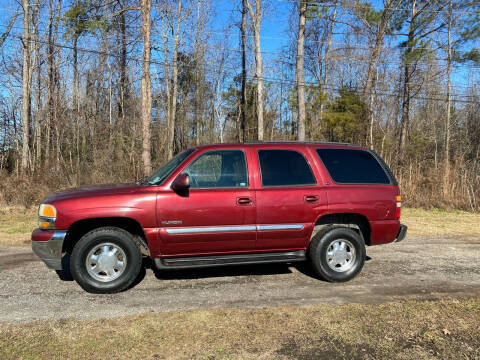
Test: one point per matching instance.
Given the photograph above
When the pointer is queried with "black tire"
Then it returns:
(318, 254)
(121, 239)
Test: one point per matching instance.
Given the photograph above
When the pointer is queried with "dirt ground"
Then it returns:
(418, 268)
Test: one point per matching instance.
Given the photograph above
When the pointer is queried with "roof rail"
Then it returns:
(297, 142)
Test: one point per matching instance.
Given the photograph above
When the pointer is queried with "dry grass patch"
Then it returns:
(16, 225)
(447, 329)
(437, 222)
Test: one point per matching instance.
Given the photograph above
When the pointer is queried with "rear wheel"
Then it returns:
(337, 254)
(106, 260)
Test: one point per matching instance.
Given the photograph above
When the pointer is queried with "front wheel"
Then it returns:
(337, 255)
(106, 260)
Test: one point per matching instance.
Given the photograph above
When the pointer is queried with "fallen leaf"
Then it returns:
(446, 331)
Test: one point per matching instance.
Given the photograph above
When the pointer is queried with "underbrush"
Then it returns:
(422, 184)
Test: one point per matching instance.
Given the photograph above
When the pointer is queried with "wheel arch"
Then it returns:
(81, 227)
(355, 221)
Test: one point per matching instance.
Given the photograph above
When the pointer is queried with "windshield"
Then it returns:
(168, 168)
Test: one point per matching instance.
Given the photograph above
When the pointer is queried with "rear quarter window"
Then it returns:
(348, 166)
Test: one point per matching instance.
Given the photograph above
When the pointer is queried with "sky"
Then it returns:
(275, 31)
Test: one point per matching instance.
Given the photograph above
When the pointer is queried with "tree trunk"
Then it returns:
(256, 17)
(26, 86)
(146, 87)
(406, 87)
(325, 65)
(198, 120)
(50, 83)
(386, 16)
(446, 154)
(405, 111)
(38, 98)
(123, 70)
(243, 98)
(302, 9)
(168, 102)
(367, 91)
(173, 110)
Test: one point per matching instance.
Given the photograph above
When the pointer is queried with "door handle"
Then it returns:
(244, 201)
(310, 198)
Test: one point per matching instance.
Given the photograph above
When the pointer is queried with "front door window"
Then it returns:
(219, 169)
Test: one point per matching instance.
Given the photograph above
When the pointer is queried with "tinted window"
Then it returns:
(284, 167)
(168, 168)
(218, 169)
(353, 166)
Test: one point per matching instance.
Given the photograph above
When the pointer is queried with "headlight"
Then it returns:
(47, 214)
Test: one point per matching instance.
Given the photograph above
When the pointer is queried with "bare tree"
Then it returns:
(26, 85)
(446, 155)
(302, 9)
(146, 86)
(256, 17)
(243, 98)
(173, 97)
(379, 31)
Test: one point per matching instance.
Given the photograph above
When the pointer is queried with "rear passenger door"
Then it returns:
(289, 198)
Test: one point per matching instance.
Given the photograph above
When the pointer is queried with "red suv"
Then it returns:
(227, 204)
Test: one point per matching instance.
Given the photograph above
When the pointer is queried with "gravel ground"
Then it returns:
(417, 268)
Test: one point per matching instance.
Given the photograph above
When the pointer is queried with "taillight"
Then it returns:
(399, 207)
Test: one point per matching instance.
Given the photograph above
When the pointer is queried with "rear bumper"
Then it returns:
(402, 232)
(47, 245)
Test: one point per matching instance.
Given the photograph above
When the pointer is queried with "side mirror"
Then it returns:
(181, 183)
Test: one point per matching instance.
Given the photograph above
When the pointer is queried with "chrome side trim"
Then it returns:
(280, 227)
(210, 229)
(234, 228)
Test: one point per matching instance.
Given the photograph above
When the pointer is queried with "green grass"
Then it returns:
(447, 329)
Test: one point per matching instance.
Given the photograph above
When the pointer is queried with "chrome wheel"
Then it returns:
(340, 255)
(106, 262)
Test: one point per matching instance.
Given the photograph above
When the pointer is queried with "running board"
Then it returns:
(224, 260)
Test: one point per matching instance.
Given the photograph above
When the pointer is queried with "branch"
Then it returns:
(119, 12)
(250, 10)
(9, 27)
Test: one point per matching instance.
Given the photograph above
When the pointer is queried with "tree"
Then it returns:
(26, 85)
(172, 97)
(146, 86)
(256, 18)
(346, 117)
(243, 101)
(420, 25)
(378, 24)
(302, 9)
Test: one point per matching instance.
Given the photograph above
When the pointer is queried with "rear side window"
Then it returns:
(284, 168)
(353, 166)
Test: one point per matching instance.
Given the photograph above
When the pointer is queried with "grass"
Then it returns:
(438, 222)
(448, 329)
(16, 224)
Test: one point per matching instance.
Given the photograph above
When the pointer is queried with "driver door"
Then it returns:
(218, 213)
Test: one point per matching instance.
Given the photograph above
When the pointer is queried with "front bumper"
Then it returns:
(47, 245)
(402, 232)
